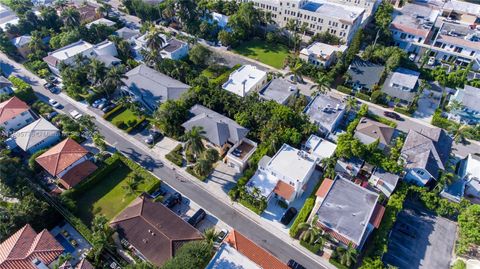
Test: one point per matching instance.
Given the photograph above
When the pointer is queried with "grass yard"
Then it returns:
(270, 54)
(123, 115)
(107, 195)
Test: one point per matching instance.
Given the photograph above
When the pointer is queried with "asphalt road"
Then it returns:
(220, 209)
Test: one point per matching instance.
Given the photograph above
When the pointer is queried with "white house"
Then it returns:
(283, 176)
(384, 181)
(37, 135)
(102, 21)
(326, 112)
(320, 148)
(14, 115)
(321, 54)
(470, 172)
(469, 98)
(5, 86)
(245, 79)
(173, 48)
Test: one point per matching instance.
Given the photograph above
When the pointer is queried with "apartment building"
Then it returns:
(320, 15)
(370, 7)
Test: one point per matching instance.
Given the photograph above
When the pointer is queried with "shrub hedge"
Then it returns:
(337, 264)
(382, 119)
(362, 96)
(402, 110)
(111, 112)
(175, 156)
(302, 216)
(23, 90)
(344, 89)
(313, 248)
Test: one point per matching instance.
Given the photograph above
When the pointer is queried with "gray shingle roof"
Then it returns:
(428, 149)
(278, 90)
(375, 130)
(402, 78)
(365, 74)
(387, 177)
(469, 97)
(218, 128)
(34, 133)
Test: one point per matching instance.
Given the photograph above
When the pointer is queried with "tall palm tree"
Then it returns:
(71, 17)
(114, 79)
(203, 167)
(155, 41)
(101, 236)
(291, 27)
(96, 72)
(193, 140)
(296, 71)
(210, 235)
(455, 105)
(322, 84)
(348, 255)
(460, 132)
(310, 231)
(351, 103)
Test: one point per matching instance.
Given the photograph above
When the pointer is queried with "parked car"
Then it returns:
(104, 104)
(431, 61)
(221, 235)
(152, 137)
(172, 200)
(295, 265)
(197, 217)
(48, 85)
(158, 192)
(392, 115)
(98, 102)
(54, 103)
(52, 79)
(108, 108)
(75, 114)
(412, 57)
(288, 216)
(51, 115)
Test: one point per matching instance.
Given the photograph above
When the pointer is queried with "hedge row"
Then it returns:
(337, 264)
(175, 156)
(23, 90)
(344, 89)
(382, 120)
(404, 111)
(224, 77)
(362, 96)
(111, 112)
(315, 249)
(302, 216)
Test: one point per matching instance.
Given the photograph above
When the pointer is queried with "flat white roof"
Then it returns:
(323, 50)
(71, 50)
(229, 258)
(245, 77)
(291, 163)
(104, 21)
(334, 10)
(264, 181)
(220, 18)
(319, 147)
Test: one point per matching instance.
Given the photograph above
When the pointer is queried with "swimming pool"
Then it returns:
(65, 244)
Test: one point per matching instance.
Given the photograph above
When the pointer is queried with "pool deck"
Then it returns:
(82, 247)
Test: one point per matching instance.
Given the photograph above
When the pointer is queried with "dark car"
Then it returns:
(172, 200)
(54, 90)
(158, 192)
(288, 215)
(295, 265)
(197, 217)
(108, 108)
(392, 115)
(48, 85)
(51, 115)
(153, 137)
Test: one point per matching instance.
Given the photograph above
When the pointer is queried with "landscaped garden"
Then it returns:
(124, 118)
(267, 53)
(111, 188)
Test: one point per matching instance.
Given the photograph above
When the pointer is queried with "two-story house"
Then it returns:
(469, 98)
(14, 115)
(246, 79)
(321, 54)
(402, 85)
(326, 112)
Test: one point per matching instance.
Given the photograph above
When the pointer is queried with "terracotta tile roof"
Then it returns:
(409, 30)
(377, 215)
(284, 190)
(84, 264)
(58, 158)
(77, 174)
(153, 229)
(324, 188)
(12, 108)
(20, 249)
(254, 252)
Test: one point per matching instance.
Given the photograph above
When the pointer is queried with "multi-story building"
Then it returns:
(340, 20)
(412, 26)
(14, 115)
(370, 7)
(469, 98)
(321, 54)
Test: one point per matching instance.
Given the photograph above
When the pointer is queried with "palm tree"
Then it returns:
(96, 72)
(351, 103)
(210, 235)
(455, 105)
(203, 167)
(310, 231)
(154, 39)
(87, 124)
(291, 26)
(460, 132)
(71, 17)
(193, 140)
(130, 187)
(114, 79)
(296, 71)
(101, 236)
(348, 255)
(303, 29)
(322, 84)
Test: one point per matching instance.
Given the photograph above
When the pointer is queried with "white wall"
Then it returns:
(18, 122)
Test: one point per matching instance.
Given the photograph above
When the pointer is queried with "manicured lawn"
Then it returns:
(123, 115)
(271, 54)
(107, 196)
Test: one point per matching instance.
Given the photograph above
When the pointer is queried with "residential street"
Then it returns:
(228, 212)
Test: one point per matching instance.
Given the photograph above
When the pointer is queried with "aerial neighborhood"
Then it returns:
(228, 134)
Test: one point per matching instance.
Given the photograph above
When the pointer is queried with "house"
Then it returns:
(88, 12)
(238, 155)
(285, 175)
(402, 84)
(221, 133)
(220, 19)
(321, 54)
(469, 98)
(425, 153)
(21, 43)
(459, 43)
(364, 75)
(102, 21)
(14, 115)
(369, 131)
(338, 19)
(240, 252)
(412, 26)
(384, 181)
(173, 48)
(5, 86)
(348, 168)
(245, 79)
(152, 231)
(279, 90)
(326, 112)
(151, 88)
(320, 148)
(470, 172)
(104, 51)
(68, 161)
(7, 16)
(37, 135)
(347, 212)
(28, 249)
(127, 34)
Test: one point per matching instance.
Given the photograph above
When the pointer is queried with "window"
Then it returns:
(472, 53)
(403, 35)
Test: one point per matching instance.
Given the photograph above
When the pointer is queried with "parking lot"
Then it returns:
(420, 240)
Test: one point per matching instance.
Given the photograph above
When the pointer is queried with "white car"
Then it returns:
(412, 57)
(431, 61)
(75, 114)
(54, 103)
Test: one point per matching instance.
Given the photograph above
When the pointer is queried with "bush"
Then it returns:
(302, 216)
(31, 161)
(377, 97)
(175, 156)
(362, 96)
(337, 264)
(23, 90)
(459, 264)
(120, 124)
(257, 210)
(315, 248)
(402, 110)
(344, 89)
(111, 112)
(42, 107)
